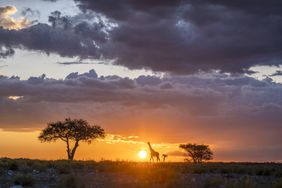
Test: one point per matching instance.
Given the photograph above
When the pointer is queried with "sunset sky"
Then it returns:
(164, 71)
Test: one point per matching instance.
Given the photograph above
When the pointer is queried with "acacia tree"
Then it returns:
(197, 153)
(71, 131)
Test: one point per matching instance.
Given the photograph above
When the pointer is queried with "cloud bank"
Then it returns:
(210, 108)
(180, 37)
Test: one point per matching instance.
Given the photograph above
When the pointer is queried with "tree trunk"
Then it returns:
(68, 149)
(73, 150)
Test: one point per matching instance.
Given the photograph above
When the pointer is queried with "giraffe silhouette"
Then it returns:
(164, 157)
(153, 153)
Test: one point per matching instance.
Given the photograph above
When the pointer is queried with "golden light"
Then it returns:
(15, 98)
(142, 154)
(10, 23)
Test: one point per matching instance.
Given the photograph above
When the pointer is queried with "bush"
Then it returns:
(214, 182)
(13, 165)
(278, 183)
(24, 180)
(63, 166)
(70, 181)
(39, 166)
(245, 182)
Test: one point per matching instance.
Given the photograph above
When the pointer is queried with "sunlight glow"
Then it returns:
(142, 154)
(15, 98)
(10, 23)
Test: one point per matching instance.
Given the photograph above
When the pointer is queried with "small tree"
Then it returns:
(71, 131)
(197, 153)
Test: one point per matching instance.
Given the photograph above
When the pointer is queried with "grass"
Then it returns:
(80, 174)
(24, 180)
(70, 181)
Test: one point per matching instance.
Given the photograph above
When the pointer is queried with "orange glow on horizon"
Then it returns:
(113, 147)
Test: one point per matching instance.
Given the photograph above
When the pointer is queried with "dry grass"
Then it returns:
(62, 173)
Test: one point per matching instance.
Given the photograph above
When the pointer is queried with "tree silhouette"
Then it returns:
(197, 153)
(71, 131)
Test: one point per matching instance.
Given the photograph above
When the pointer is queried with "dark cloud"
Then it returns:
(6, 52)
(187, 36)
(277, 73)
(259, 7)
(59, 21)
(148, 80)
(173, 36)
(47, 39)
(125, 9)
(75, 63)
(202, 96)
(75, 75)
(51, 0)
(63, 37)
(200, 91)
(166, 86)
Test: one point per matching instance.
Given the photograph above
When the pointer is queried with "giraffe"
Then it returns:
(153, 153)
(164, 157)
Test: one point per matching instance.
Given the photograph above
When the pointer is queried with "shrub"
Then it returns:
(70, 181)
(39, 166)
(24, 180)
(25, 169)
(245, 182)
(278, 183)
(63, 166)
(214, 182)
(13, 165)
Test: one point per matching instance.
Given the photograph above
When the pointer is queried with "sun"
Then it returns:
(142, 154)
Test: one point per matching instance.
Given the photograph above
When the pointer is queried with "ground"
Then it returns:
(111, 174)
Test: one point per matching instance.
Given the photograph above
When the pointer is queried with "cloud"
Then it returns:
(187, 36)
(115, 138)
(28, 12)
(75, 63)
(42, 37)
(51, 0)
(75, 75)
(162, 35)
(277, 73)
(65, 37)
(8, 22)
(205, 108)
(195, 92)
(6, 52)
(1, 66)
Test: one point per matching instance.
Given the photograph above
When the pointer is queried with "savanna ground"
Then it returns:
(120, 174)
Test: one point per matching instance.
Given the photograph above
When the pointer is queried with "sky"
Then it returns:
(168, 72)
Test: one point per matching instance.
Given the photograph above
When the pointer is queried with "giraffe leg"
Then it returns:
(158, 157)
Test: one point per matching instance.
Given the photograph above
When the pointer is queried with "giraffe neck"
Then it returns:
(151, 149)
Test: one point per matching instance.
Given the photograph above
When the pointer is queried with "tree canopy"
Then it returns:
(197, 153)
(71, 130)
